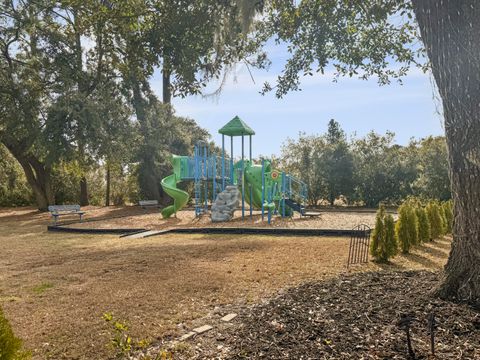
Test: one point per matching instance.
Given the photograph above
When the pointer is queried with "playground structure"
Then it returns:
(261, 186)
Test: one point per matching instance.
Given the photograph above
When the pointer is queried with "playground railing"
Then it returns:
(206, 169)
(296, 188)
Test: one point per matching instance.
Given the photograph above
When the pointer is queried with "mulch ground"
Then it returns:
(349, 317)
(134, 217)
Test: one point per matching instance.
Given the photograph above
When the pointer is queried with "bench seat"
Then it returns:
(59, 210)
(145, 204)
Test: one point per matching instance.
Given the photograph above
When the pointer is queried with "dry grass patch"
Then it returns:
(154, 284)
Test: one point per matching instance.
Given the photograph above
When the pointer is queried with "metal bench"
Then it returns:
(58, 210)
(145, 204)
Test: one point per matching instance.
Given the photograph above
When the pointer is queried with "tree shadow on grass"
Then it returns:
(117, 213)
(419, 259)
(32, 216)
(430, 249)
(391, 266)
(21, 214)
(443, 243)
(158, 254)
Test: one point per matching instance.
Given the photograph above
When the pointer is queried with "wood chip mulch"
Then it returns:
(351, 317)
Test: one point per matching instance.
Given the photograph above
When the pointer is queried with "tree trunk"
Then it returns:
(83, 192)
(107, 190)
(148, 180)
(450, 31)
(331, 199)
(38, 177)
(82, 84)
(167, 89)
(147, 176)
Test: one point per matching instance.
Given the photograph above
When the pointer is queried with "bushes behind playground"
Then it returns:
(367, 170)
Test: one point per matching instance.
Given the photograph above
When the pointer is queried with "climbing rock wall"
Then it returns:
(225, 204)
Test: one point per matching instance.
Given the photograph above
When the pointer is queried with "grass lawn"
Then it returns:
(55, 287)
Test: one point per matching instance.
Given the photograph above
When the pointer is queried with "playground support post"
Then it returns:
(197, 182)
(243, 177)
(231, 161)
(214, 170)
(223, 162)
(250, 153)
(274, 193)
(290, 191)
(250, 148)
(205, 206)
(205, 173)
(269, 209)
(263, 189)
(284, 178)
(251, 199)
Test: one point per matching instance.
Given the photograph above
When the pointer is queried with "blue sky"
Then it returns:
(409, 110)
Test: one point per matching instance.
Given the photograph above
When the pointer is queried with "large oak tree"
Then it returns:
(56, 66)
(68, 67)
(370, 38)
(450, 30)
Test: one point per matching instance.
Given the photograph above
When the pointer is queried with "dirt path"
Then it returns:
(55, 287)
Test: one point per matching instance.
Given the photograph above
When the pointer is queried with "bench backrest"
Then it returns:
(63, 208)
(148, 202)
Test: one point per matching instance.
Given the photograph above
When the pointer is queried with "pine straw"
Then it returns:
(135, 217)
(350, 317)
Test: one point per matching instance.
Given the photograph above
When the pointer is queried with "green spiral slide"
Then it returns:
(169, 185)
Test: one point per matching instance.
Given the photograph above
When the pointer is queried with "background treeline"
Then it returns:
(355, 171)
(114, 180)
(367, 170)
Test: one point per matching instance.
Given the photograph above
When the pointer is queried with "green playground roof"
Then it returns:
(236, 127)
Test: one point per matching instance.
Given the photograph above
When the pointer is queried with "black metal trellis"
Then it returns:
(359, 245)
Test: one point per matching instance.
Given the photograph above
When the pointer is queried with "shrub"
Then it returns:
(435, 218)
(448, 209)
(424, 232)
(407, 227)
(390, 235)
(66, 177)
(441, 209)
(384, 243)
(122, 343)
(377, 233)
(10, 346)
(413, 225)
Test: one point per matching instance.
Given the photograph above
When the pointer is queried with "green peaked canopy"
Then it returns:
(236, 127)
